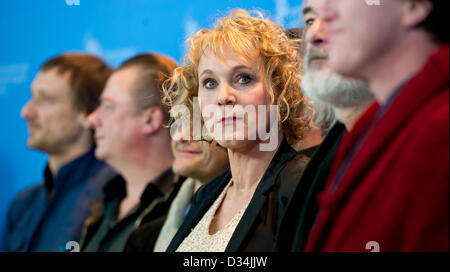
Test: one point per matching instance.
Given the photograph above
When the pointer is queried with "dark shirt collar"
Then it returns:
(162, 181)
(48, 179)
(284, 153)
(309, 151)
(72, 172)
(116, 188)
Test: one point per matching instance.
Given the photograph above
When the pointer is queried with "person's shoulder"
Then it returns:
(439, 111)
(26, 198)
(432, 119)
(101, 170)
(100, 176)
(423, 141)
(30, 193)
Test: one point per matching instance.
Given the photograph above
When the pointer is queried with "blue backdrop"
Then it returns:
(32, 31)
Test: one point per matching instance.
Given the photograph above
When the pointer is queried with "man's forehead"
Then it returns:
(313, 6)
(118, 86)
(124, 79)
(51, 82)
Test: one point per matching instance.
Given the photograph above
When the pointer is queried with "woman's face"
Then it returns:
(230, 91)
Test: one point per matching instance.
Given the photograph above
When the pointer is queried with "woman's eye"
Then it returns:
(244, 79)
(210, 84)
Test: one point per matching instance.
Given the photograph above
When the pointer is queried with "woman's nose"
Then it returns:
(226, 96)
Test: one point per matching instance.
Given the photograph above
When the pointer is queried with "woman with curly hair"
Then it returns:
(245, 61)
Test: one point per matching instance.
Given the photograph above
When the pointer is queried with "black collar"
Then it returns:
(75, 171)
(117, 189)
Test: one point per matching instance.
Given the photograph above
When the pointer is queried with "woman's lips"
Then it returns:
(229, 120)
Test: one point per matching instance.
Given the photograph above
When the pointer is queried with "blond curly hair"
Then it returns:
(255, 39)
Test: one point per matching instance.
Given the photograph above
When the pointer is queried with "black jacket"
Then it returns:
(303, 208)
(144, 238)
(258, 226)
(104, 233)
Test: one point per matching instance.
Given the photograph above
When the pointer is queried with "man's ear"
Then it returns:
(415, 12)
(153, 119)
(83, 119)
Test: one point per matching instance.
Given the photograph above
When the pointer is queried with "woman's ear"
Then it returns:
(415, 12)
(153, 120)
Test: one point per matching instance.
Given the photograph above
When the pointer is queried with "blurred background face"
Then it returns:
(316, 36)
(319, 81)
(236, 83)
(361, 33)
(54, 123)
(198, 159)
(116, 121)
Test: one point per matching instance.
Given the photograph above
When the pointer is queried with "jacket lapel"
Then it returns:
(260, 197)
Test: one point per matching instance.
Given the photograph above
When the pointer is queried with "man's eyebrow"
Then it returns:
(307, 10)
(105, 99)
(38, 91)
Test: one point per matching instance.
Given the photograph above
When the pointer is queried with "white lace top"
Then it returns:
(199, 240)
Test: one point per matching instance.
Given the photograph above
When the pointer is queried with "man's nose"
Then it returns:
(317, 33)
(28, 111)
(92, 119)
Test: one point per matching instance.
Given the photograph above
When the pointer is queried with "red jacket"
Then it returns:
(395, 190)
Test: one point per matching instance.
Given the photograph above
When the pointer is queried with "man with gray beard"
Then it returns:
(347, 98)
